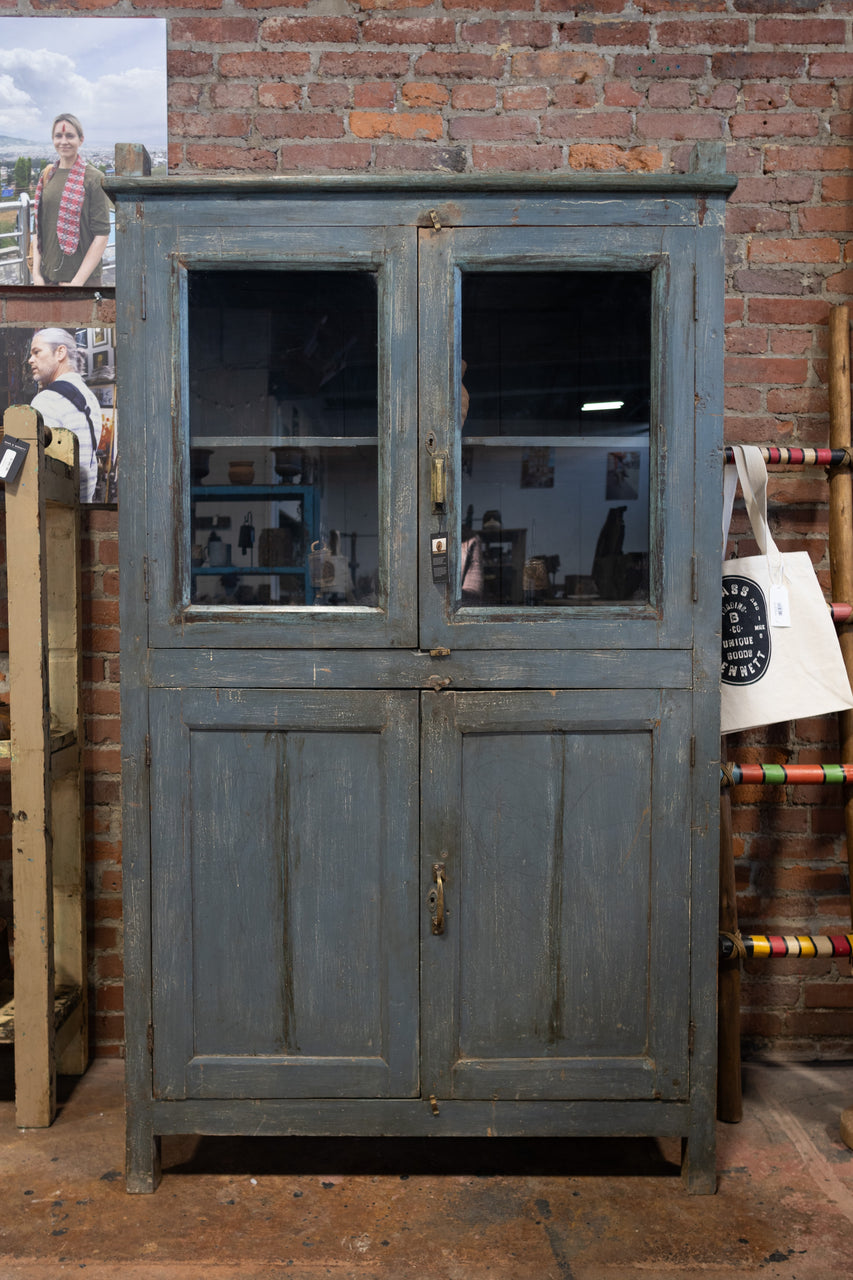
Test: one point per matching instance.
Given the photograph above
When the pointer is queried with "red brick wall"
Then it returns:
(468, 85)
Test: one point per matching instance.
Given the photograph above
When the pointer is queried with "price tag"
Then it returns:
(780, 612)
(438, 552)
(12, 454)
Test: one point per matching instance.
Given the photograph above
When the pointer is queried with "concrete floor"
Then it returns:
(436, 1209)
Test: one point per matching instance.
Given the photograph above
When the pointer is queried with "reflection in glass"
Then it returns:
(555, 409)
(283, 457)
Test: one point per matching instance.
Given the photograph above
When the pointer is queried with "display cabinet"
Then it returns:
(420, 650)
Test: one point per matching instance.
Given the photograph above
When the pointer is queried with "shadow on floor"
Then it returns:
(404, 1157)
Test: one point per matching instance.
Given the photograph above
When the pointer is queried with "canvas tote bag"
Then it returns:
(780, 653)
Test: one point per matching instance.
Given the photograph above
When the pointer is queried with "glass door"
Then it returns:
(293, 372)
(553, 423)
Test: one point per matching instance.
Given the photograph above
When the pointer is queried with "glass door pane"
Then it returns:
(283, 413)
(555, 412)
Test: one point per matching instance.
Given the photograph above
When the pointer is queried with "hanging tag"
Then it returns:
(438, 552)
(780, 612)
(12, 454)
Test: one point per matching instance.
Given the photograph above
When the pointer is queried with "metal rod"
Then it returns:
(774, 775)
(772, 945)
(809, 457)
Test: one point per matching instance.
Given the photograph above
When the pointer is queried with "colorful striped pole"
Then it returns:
(809, 457)
(769, 945)
(775, 775)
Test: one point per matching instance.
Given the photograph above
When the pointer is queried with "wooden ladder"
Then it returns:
(729, 1093)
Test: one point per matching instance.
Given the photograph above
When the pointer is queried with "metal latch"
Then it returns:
(435, 898)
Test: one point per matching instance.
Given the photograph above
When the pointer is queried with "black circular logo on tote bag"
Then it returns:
(746, 635)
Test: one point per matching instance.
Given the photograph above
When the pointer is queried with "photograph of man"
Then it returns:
(71, 214)
(64, 400)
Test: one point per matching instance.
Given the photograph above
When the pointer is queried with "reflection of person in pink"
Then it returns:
(72, 213)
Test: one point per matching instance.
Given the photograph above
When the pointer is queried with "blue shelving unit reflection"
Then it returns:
(304, 493)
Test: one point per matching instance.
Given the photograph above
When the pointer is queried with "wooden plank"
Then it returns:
(392, 669)
(64, 586)
(32, 853)
(68, 1000)
(384, 1117)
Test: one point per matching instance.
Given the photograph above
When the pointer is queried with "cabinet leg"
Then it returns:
(699, 1161)
(143, 1156)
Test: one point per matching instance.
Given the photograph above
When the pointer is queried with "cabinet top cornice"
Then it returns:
(606, 184)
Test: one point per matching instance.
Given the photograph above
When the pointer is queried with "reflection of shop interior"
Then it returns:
(283, 403)
(554, 483)
(283, 379)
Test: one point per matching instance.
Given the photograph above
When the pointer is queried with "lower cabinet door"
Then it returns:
(541, 950)
(284, 893)
(560, 824)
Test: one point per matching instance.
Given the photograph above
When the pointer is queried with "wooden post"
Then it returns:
(132, 160)
(729, 1093)
(841, 558)
(32, 870)
(64, 587)
(44, 589)
(841, 529)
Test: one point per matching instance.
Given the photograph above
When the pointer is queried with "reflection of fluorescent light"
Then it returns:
(593, 405)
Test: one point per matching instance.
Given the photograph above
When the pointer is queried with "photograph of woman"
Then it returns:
(71, 213)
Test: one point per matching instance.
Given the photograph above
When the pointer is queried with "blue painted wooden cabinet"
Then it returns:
(420, 522)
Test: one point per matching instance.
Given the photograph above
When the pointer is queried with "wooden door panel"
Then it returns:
(291, 879)
(557, 885)
(567, 875)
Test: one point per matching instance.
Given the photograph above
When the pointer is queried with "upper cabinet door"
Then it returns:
(281, 506)
(557, 437)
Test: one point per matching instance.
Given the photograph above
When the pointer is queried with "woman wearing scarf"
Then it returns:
(72, 214)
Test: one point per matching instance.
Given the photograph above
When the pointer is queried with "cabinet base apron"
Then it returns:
(419, 1118)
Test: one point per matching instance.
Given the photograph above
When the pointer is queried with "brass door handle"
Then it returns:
(438, 481)
(435, 899)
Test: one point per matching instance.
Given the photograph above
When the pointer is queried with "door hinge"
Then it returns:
(693, 751)
(149, 1038)
(143, 297)
(148, 751)
(691, 1036)
(434, 219)
(145, 592)
(694, 579)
